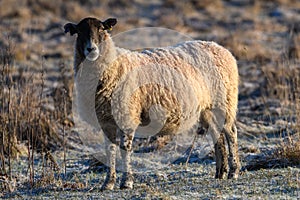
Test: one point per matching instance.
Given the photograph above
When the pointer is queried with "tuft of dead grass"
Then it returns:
(283, 156)
(291, 153)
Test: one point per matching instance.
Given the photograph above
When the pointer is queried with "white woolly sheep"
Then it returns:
(211, 76)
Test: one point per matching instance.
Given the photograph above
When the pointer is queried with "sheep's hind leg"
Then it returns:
(111, 148)
(211, 124)
(221, 157)
(233, 159)
(126, 150)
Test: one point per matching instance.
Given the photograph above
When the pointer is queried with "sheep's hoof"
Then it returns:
(126, 185)
(233, 174)
(221, 174)
(107, 186)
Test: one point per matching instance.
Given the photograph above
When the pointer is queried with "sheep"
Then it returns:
(114, 78)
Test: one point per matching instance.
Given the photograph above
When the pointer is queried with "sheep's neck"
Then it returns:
(108, 55)
(108, 68)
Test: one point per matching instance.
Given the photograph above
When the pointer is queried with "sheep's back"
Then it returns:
(183, 79)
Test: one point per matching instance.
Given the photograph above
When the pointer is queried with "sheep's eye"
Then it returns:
(100, 29)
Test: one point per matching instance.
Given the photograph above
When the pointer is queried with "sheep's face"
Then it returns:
(90, 33)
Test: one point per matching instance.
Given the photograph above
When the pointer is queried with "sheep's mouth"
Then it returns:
(92, 56)
(91, 51)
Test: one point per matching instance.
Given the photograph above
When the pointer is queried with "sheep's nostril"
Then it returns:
(91, 49)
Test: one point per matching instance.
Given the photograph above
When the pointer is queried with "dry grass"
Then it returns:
(284, 156)
(291, 153)
(282, 83)
(282, 79)
(27, 126)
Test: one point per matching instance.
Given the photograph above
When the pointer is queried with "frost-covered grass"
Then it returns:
(175, 182)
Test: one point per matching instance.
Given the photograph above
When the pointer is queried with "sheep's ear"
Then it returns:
(70, 27)
(109, 23)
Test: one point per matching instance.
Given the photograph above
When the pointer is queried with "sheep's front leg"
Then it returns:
(111, 148)
(126, 150)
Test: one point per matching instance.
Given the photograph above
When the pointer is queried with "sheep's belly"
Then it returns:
(158, 122)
